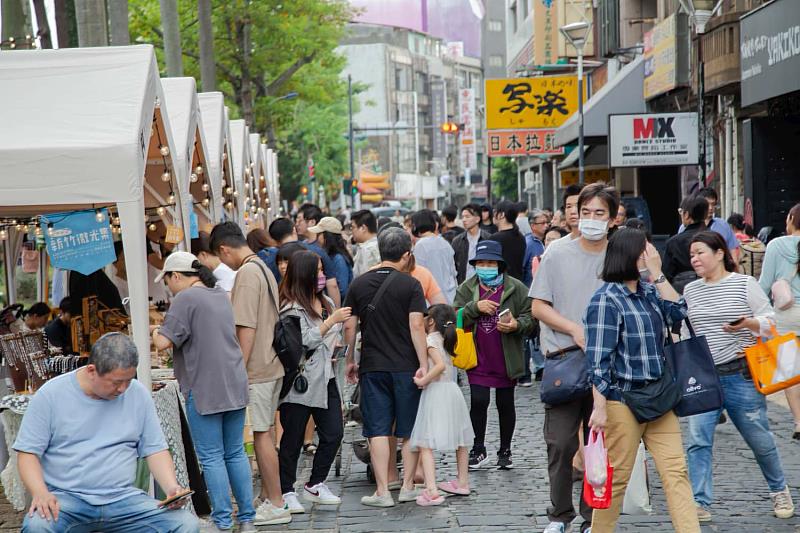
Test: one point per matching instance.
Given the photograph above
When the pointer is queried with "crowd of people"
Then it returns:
(583, 284)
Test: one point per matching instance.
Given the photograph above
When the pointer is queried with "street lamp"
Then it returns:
(577, 33)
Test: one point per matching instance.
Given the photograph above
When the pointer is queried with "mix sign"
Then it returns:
(655, 139)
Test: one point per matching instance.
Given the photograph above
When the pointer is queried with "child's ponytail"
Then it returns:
(444, 317)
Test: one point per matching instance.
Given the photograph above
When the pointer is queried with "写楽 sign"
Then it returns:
(509, 143)
(653, 140)
(526, 103)
(79, 240)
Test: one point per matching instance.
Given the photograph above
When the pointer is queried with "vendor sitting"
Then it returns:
(59, 330)
(78, 448)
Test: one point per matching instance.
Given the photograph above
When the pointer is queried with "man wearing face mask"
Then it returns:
(564, 284)
(571, 215)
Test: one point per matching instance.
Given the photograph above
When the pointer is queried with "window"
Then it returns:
(525, 9)
(495, 25)
(512, 15)
(496, 61)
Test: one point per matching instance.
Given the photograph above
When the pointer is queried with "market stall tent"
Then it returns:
(232, 186)
(191, 153)
(87, 130)
(256, 173)
(273, 187)
(240, 160)
(212, 112)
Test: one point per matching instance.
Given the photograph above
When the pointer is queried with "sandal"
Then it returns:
(452, 487)
(425, 499)
(309, 448)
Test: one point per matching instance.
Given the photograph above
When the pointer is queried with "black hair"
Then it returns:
(486, 208)
(422, 221)
(571, 190)
(280, 229)
(444, 317)
(695, 207)
(201, 243)
(365, 217)
(203, 272)
(708, 193)
(450, 213)
(66, 305)
(638, 223)
(436, 220)
(118, 249)
(286, 251)
(509, 210)
(623, 252)
(334, 245)
(311, 212)
(382, 221)
(522, 207)
(388, 225)
(227, 234)
(714, 240)
(600, 190)
(474, 209)
(38, 309)
(342, 218)
(300, 283)
(561, 231)
(736, 220)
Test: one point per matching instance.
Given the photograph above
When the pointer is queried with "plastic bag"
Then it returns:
(637, 495)
(598, 498)
(788, 362)
(595, 459)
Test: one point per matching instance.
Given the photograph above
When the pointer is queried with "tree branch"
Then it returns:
(284, 77)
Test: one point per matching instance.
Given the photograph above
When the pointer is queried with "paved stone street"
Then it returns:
(516, 500)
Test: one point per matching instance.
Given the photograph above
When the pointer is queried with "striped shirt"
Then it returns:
(712, 305)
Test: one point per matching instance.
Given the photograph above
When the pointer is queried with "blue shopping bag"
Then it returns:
(694, 370)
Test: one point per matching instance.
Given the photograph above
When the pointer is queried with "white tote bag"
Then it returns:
(637, 495)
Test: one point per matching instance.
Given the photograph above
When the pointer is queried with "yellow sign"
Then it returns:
(524, 103)
(660, 58)
(570, 177)
(174, 235)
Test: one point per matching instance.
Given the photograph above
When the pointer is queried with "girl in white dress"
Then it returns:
(442, 422)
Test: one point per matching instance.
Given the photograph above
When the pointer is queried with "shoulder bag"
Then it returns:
(695, 374)
(565, 376)
(653, 399)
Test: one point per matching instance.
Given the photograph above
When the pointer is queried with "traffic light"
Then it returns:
(449, 128)
(354, 191)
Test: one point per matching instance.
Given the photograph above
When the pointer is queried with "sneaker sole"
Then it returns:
(704, 519)
(508, 467)
(376, 504)
(316, 499)
(480, 465)
(526, 385)
(784, 515)
(273, 522)
(302, 510)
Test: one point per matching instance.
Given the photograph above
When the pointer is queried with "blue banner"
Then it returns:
(194, 231)
(78, 241)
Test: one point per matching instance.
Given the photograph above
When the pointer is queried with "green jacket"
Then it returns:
(515, 298)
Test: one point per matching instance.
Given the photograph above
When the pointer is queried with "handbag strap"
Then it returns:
(668, 334)
(460, 319)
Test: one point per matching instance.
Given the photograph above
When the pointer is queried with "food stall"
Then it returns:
(215, 131)
(257, 177)
(240, 159)
(270, 156)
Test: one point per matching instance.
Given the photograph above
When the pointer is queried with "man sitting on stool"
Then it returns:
(79, 443)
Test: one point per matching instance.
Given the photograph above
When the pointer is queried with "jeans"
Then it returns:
(219, 441)
(135, 514)
(747, 409)
(534, 358)
(330, 429)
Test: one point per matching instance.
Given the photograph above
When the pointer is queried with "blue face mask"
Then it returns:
(489, 276)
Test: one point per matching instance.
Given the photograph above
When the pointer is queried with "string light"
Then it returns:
(228, 190)
(164, 150)
(247, 185)
(160, 210)
(151, 227)
(229, 205)
(166, 176)
(236, 194)
(116, 221)
(263, 178)
(205, 187)
(264, 190)
(3, 234)
(199, 170)
(171, 198)
(25, 228)
(37, 231)
(224, 156)
(99, 216)
(205, 202)
(193, 178)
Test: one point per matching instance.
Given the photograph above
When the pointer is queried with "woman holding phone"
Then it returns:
(302, 295)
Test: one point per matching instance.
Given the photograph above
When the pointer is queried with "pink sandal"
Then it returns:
(425, 499)
(452, 487)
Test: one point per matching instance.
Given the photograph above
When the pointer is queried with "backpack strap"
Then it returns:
(266, 278)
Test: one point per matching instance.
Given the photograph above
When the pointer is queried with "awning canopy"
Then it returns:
(623, 94)
(241, 158)
(593, 157)
(212, 111)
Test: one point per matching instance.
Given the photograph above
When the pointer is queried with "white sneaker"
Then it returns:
(292, 503)
(268, 515)
(558, 527)
(782, 503)
(320, 493)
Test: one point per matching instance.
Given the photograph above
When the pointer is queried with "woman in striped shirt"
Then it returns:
(730, 310)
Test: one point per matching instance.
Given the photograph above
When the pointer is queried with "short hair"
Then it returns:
(38, 309)
(474, 209)
(571, 190)
(227, 234)
(536, 213)
(714, 240)
(201, 243)
(638, 223)
(365, 217)
(522, 207)
(118, 249)
(112, 351)
(422, 221)
(382, 221)
(311, 212)
(509, 210)
(557, 229)
(66, 305)
(450, 213)
(280, 229)
(286, 251)
(736, 220)
(709, 193)
(390, 224)
(623, 252)
(393, 244)
(257, 239)
(604, 192)
(695, 207)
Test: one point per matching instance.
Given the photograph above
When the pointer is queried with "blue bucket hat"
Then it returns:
(488, 251)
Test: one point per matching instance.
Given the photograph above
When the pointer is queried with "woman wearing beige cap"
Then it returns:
(329, 237)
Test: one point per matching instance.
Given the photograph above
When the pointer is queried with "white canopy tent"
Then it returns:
(257, 170)
(212, 111)
(87, 133)
(231, 187)
(240, 159)
(191, 152)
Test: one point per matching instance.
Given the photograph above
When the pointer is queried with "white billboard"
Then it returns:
(653, 140)
(468, 155)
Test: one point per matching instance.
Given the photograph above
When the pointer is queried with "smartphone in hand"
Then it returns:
(736, 322)
(505, 316)
(183, 495)
(340, 352)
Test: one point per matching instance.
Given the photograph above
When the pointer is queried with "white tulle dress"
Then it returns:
(442, 422)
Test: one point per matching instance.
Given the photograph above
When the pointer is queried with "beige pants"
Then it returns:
(662, 437)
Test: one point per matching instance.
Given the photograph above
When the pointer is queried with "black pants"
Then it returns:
(330, 429)
(479, 407)
(561, 424)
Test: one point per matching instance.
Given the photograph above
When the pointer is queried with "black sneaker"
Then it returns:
(504, 460)
(538, 376)
(524, 382)
(477, 459)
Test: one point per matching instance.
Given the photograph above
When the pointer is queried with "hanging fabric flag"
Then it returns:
(79, 240)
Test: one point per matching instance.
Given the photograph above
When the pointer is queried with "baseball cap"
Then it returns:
(177, 262)
(328, 224)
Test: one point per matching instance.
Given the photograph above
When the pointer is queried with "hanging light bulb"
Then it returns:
(264, 191)
(151, 227)
(164, 149)
(193, 178)
(25, 228)
(228, 190)
(50, 228)
(236, 194)
(158, 102)
(205, 202)
(247, 172)
(266, 202)
(166, 176)
(160, 211)
(14, 222)
(171, 198)
(205, 187)
(99, 216)
(224, 156)
(37, 231)
(18, 227)
(260, 210)
(224, 184)
(229, 205)
(199, 170)
(3, 234)
(247, 185)
(247, 201)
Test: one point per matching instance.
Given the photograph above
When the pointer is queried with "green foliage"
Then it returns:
(504, 178)
(263, 50)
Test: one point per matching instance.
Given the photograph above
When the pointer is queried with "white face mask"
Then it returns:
(593, 230)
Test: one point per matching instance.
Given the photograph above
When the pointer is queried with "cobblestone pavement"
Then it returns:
(516, 500)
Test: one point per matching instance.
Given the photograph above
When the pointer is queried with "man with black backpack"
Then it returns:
(255, 308)
(390, 306)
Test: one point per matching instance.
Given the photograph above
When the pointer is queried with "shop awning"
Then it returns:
(623, 94)
(593, 156)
